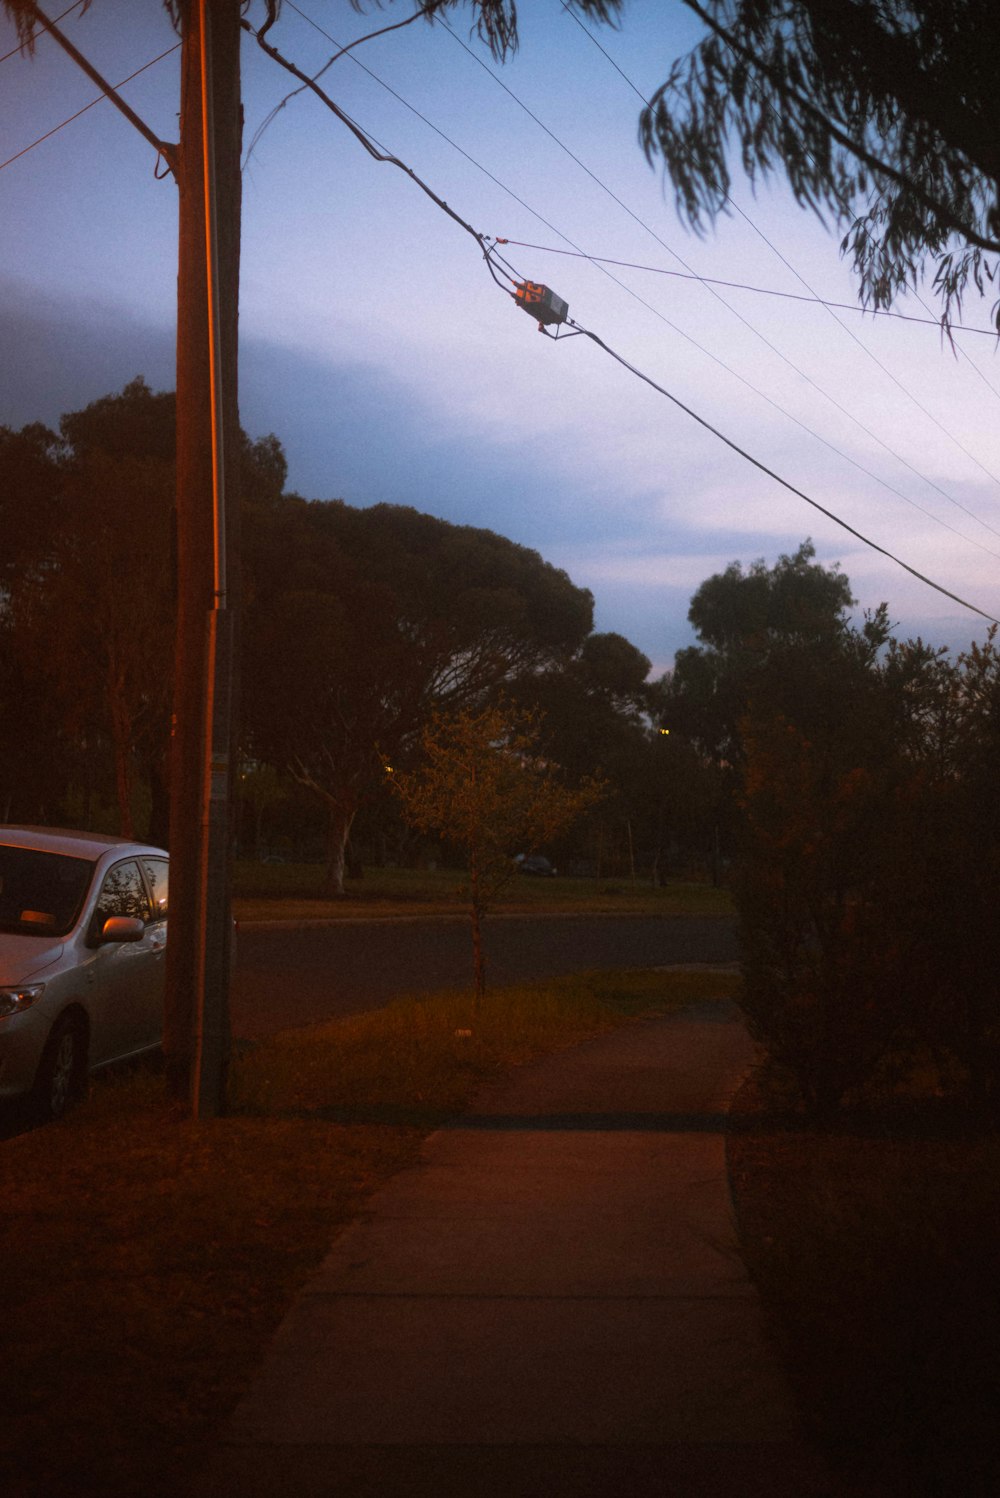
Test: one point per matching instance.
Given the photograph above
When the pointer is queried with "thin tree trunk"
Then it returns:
(338, 831)
(123, 777)
(159, 798)
(478, 959)
(121, 748)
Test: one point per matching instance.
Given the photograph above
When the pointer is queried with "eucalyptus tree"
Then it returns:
(362, 623)
(747, 620)
(882, 114)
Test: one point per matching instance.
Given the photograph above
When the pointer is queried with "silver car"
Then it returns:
(83, 936)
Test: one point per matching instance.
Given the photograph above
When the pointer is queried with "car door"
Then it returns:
(125, 979)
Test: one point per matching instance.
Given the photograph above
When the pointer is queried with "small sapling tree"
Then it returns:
(486, 784)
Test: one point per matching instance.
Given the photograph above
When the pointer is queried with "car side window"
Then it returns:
(157, 871)
(122, 893)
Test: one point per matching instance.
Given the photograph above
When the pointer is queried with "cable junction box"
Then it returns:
(541, 303)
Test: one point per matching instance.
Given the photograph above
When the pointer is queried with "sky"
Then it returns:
(376, 346)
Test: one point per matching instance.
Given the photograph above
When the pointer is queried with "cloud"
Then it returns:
(60, 355)
(641, 514)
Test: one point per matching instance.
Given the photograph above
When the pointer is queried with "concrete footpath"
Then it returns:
(550, 1305)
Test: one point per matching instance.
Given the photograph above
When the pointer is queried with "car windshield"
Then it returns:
(41, 893)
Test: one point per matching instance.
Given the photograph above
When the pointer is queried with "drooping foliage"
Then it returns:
(882, 114)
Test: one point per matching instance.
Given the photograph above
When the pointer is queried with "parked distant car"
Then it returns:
(537, 865)
(83, 935)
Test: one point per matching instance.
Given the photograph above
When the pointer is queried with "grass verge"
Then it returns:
(147, 1259)
(875, 1245)
(293, 892)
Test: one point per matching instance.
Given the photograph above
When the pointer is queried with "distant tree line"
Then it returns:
(359, 626)
(844, 782)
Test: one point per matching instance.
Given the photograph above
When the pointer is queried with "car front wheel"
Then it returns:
(62, 1069)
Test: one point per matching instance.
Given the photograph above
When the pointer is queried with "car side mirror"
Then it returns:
(123, 928)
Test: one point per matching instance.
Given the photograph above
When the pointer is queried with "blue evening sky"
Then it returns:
(390, 365)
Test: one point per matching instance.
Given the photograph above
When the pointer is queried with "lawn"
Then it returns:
(293, 891)
(148, 1259)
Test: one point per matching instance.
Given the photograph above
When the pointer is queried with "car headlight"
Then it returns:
(13, 1000)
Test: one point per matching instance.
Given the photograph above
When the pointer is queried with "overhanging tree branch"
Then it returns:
(941, 210)
(162, 148)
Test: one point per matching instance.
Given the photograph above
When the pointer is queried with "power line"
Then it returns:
(749, 458)
(368, 141)
(341, 52)
(793, 296)
(875, 360)
(960, 351)
(33, 37)
(655, 311)
(62, 125)
(776, 405)
(876, 311)
(379, 154)
(802, 374)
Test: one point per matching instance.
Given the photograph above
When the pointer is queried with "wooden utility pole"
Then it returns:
(196, 1036)
(206, 165)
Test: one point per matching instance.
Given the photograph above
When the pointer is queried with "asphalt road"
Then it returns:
(287, 977)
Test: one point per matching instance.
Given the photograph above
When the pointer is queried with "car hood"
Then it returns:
(25, 957)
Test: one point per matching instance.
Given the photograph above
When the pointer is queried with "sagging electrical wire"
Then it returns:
(749, 458)
(655, 311)
(369, 143)
(813, 299)
(501, 271)
(165, 151)
(751, 327)
(441, 134)
(341, 52)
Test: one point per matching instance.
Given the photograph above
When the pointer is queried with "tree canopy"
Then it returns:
(485, 782)
(883, 114)
(87, 601)
(362, 623)
(795, 611)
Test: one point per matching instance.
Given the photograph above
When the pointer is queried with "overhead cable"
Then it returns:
(367, 141)
(30, 40)
(505, 272)
(829, 305)
(792, 296)
(749, 458)
(674, 327)
(801, 373)
(100, 97)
